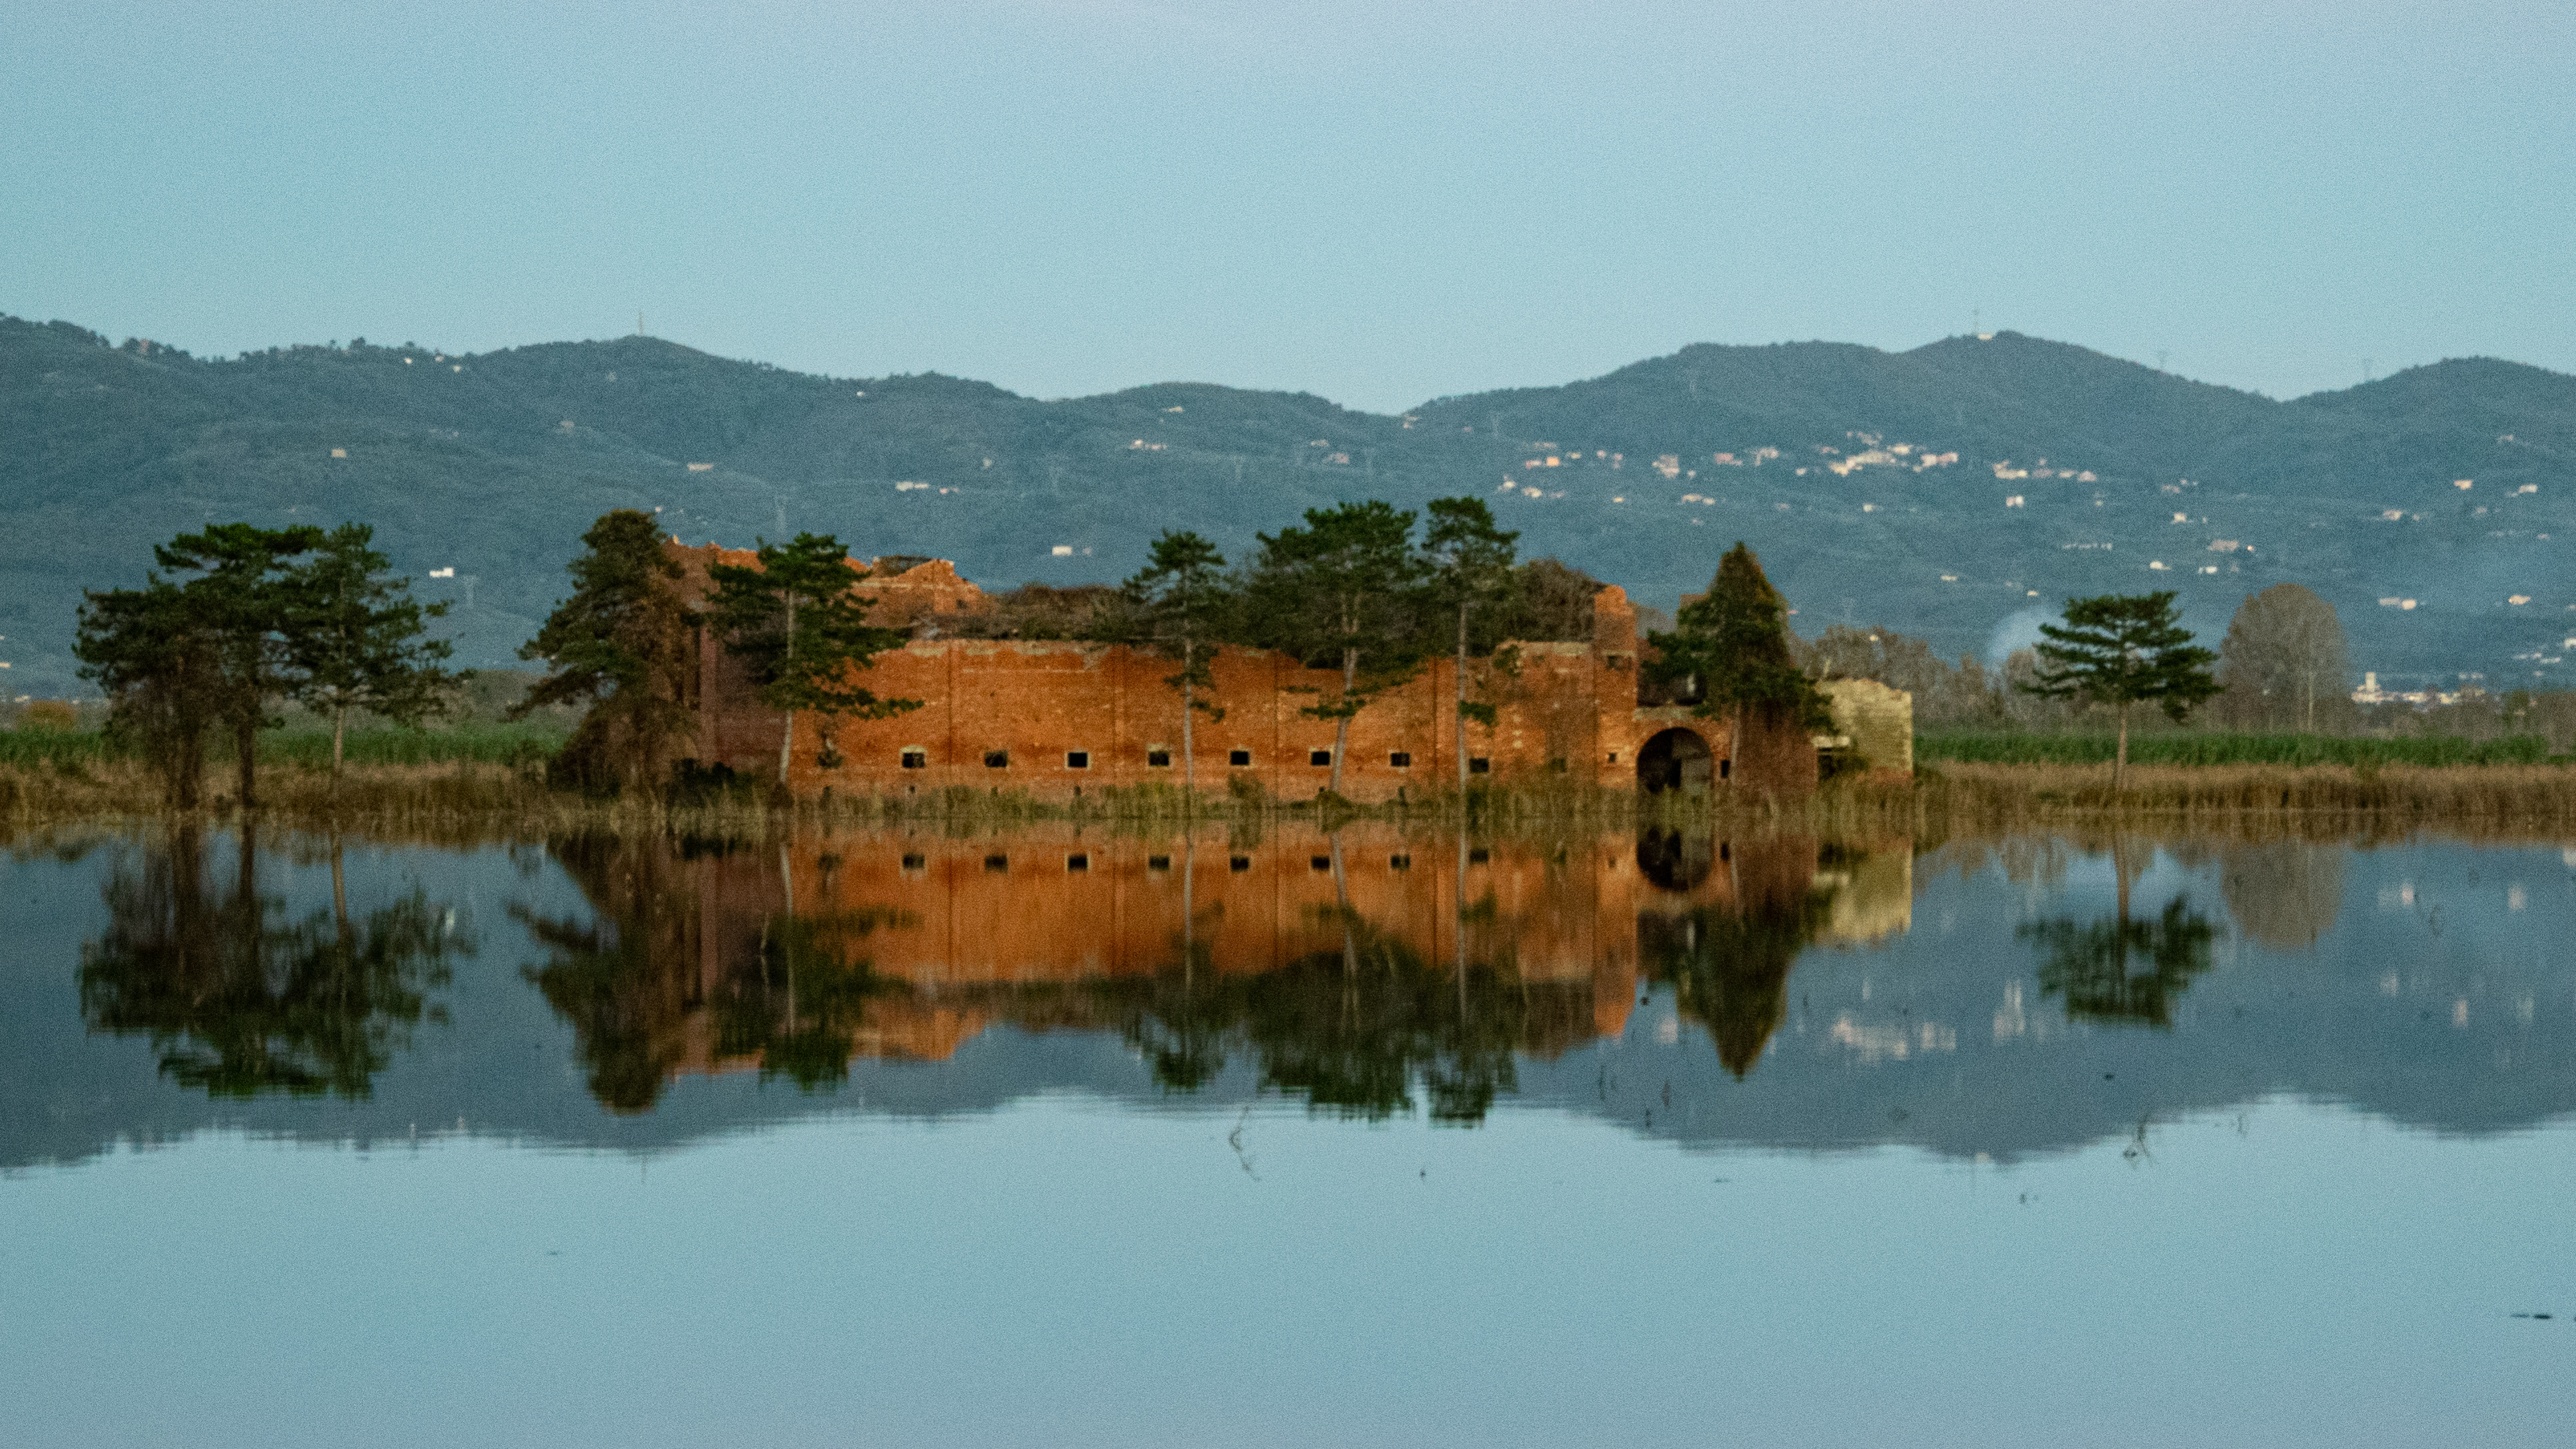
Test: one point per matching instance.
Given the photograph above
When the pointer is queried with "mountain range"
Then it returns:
(1960, 491)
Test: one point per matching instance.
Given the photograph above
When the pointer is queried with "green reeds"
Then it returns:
(2201, 748)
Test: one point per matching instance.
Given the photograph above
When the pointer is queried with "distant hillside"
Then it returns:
(1875, 485)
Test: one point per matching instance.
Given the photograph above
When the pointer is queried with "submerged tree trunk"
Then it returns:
(246, 743)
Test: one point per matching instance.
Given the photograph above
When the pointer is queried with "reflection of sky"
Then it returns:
(1062, 1274)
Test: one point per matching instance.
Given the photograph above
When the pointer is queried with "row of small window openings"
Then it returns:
(1238, 863)
(1162, 759)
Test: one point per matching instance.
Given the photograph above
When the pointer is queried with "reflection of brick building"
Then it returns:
(1002, 928)
(1049, 720)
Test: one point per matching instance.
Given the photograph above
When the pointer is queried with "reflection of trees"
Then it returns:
(782, 986)
(239, 999)
(797, 997)
(2284, 893)
(1729, 963)
(2090, 963)
(625, 978)
(1355, 1030)
(1730, 967)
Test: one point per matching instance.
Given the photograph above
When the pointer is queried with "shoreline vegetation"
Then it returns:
(489, 782)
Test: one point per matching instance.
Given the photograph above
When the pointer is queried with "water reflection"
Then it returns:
(1333, 965)
(2283, 893)
(1767, 989)
(2122, 970)
(2087, 963)
(238, 997)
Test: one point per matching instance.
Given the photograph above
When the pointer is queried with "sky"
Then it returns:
(1377, 203)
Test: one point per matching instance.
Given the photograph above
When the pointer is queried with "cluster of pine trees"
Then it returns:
(237, 619)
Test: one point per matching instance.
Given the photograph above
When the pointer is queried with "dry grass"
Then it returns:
(461, 800)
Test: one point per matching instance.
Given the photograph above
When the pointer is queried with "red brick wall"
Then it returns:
(1569, 712)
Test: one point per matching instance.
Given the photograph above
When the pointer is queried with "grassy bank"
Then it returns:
(2205, 749)
(489, 784)
(486, 744)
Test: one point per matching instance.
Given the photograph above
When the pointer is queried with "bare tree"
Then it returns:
(2283, 664)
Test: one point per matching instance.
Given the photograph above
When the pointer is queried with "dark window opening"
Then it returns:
(915, 862)
(1725, 768)
(1400, 759)
(916, 759)
(1479, 765)
(1557, 765)
(1077, 759)
(1158, 862)
(1477, 857)
(997, 759)
(1238, 758)
(1319, 757)
(1320, 862)
(1239, 863)
(1614, 757)
(997, 863)
(1159, 759)
(1399, 862)
(1077, 862)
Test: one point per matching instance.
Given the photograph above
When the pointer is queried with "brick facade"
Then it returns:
(1052, 720)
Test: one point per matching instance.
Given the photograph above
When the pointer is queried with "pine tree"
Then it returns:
(1343, 591)
(356, 639)
(1182, 601)
(1729, 652)
(156, 662)
(1470, 563)
(244, 599)
(625, 644)
(800, 625)
(2119, 650)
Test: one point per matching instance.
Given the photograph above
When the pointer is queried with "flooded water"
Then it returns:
(1066, 1137)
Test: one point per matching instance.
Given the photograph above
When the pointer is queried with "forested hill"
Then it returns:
(1878, 487)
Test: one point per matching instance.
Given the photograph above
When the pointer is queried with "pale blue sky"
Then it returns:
(1373, 202)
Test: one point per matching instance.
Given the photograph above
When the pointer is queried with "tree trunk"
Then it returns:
(1462, 717)
(339, 735)
(786, 667)
(1189, 750)
(2120, 761)
(1342, 726)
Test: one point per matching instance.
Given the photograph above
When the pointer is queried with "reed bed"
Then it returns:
(463, 800)
(2216, 747)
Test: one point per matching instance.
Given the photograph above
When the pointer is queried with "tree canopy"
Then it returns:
(798, 623)
(625, 645)
(1343, 591)
(2120, 650)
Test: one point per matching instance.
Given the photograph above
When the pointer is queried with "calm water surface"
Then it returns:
(1067, 1138)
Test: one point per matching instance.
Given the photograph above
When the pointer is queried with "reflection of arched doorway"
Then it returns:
(1677, 759)
(1673, 860)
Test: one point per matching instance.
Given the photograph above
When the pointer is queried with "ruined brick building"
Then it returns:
(1051, 719)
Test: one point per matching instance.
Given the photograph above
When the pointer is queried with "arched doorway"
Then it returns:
(1677, 759)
